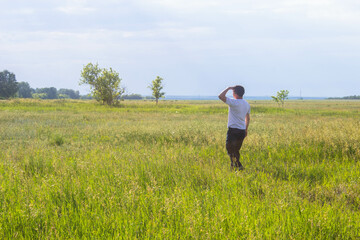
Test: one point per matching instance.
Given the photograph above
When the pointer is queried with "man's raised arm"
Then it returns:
(222, 95)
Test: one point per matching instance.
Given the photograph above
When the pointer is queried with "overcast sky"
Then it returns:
(199, 47)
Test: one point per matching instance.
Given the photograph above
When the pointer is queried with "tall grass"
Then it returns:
(75, 169)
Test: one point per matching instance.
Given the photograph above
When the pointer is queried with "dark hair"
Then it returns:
(239, 90)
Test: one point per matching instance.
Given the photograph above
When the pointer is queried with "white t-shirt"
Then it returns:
(238, 109)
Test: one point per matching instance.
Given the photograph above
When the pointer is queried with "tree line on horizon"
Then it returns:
(104, 84)
(10, 88)
(353, 97)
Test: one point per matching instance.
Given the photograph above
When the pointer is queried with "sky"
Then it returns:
(199, 47)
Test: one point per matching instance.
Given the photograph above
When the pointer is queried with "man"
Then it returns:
(238, 123)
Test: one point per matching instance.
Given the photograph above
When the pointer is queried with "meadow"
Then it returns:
(80, 170)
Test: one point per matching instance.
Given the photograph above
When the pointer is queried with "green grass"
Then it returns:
(76, 169)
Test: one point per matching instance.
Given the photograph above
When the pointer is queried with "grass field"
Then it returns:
(76, 169)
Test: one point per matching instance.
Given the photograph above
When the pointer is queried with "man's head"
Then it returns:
(239, 91)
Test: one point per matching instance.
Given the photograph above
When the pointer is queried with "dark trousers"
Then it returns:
(234, 140)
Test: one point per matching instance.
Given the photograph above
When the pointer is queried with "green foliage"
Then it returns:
(39, 95)
(50, 92)
(86, 97)
(353, 97)
(280, 97)
(25, 90)
(115, 173)
(156, 86)
(132, 96)
(104, 83)
(63, 96)
(8, 84)
(69, 93)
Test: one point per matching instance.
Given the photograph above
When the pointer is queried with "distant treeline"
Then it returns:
(25, 91)
(135, 96)
(10, 88)
(347, 97)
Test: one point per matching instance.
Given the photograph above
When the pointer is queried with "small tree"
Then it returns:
(280, 97)
(25, 90)
(156, 86)
(8, 85)
(104, 83)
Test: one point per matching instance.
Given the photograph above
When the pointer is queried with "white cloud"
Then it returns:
(76, 7)
(23, 11)
(75, 10)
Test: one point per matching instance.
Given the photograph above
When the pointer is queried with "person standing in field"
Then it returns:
(238, 123)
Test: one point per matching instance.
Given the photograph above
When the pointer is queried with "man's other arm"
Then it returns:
(247, 122)
(222, 95)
